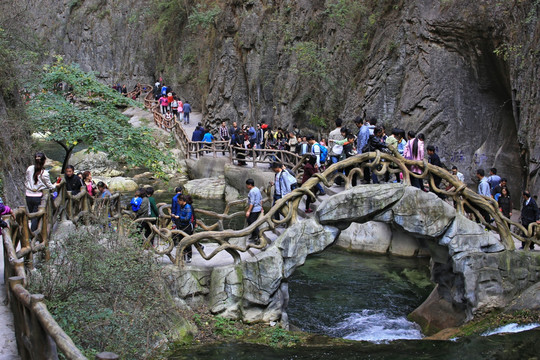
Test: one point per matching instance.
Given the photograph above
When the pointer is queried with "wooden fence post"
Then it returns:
(19, 320)
(43, 347)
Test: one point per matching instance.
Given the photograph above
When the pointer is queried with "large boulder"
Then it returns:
(528, 300)
(303, 238)
(122, 184)
(371, 237)
(212, 188)
(466, 235)
(422, 214)
(99, 163)
(207, 167)
(236, 177)
(358, 204)
(403, 244)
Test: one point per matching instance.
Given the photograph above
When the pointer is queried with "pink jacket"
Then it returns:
(408, 154)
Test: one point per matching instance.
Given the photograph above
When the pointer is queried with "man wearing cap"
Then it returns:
(529, 214)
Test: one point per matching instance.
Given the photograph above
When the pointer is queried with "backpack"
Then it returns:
(324, 153)
(292, 179)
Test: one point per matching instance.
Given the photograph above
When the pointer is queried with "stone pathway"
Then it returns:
(8, 345)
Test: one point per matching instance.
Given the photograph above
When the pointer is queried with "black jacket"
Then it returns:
(374, 143)
(73, 184)
(198, 134)
(529, 213)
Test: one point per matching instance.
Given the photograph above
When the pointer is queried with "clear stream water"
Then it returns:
(367, 298)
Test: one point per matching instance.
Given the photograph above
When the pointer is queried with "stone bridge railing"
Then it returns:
(38, 335)
(379, 163)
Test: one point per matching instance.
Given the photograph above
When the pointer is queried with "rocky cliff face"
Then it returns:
(463, 73)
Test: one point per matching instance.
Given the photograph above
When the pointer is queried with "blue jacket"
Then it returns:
(363, 138)
(252, 134)
(198, 135)
(208, 137)
(187, 108)
(175, 206)
(186, 214)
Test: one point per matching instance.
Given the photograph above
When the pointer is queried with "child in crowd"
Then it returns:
(136, 201)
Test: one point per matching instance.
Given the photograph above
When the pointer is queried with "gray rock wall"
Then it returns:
(463, 73)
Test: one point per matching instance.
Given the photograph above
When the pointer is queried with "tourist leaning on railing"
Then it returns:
(37, 180)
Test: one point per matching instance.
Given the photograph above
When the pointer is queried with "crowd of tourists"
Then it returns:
(343, 143)
(170, 104)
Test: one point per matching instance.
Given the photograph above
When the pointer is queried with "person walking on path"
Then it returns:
(434, 159)
(186, 110)
(493, 179)
(457, 174)
(361, 142)
(37, 179)
(184, 221)
(529, 214)
(281, 184)
(483, 189)
(505, 203)
(309, 171)
(89, 183)
(224, 135)
(335, 135)
(254, 208)
(164, 104)
(208, 138)
(414, 150)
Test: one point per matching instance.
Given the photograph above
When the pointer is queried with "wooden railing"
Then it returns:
(267, 156)
(138, 90)
(379, 164)
(38, 335)
(174, 125)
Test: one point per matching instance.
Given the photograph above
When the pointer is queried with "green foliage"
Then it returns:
(226, 327)
(203, 16)
(318, 121)
(506, 51)
(345, 12)
(107, 294)
(312, 61)
(279, 337)
(169, 16)
(88, 112)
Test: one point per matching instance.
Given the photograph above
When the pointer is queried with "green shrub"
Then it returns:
(107, 294)
(203, 16)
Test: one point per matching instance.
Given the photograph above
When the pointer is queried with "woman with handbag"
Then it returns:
(37, 179)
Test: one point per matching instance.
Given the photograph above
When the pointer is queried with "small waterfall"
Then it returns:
(377, 327)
